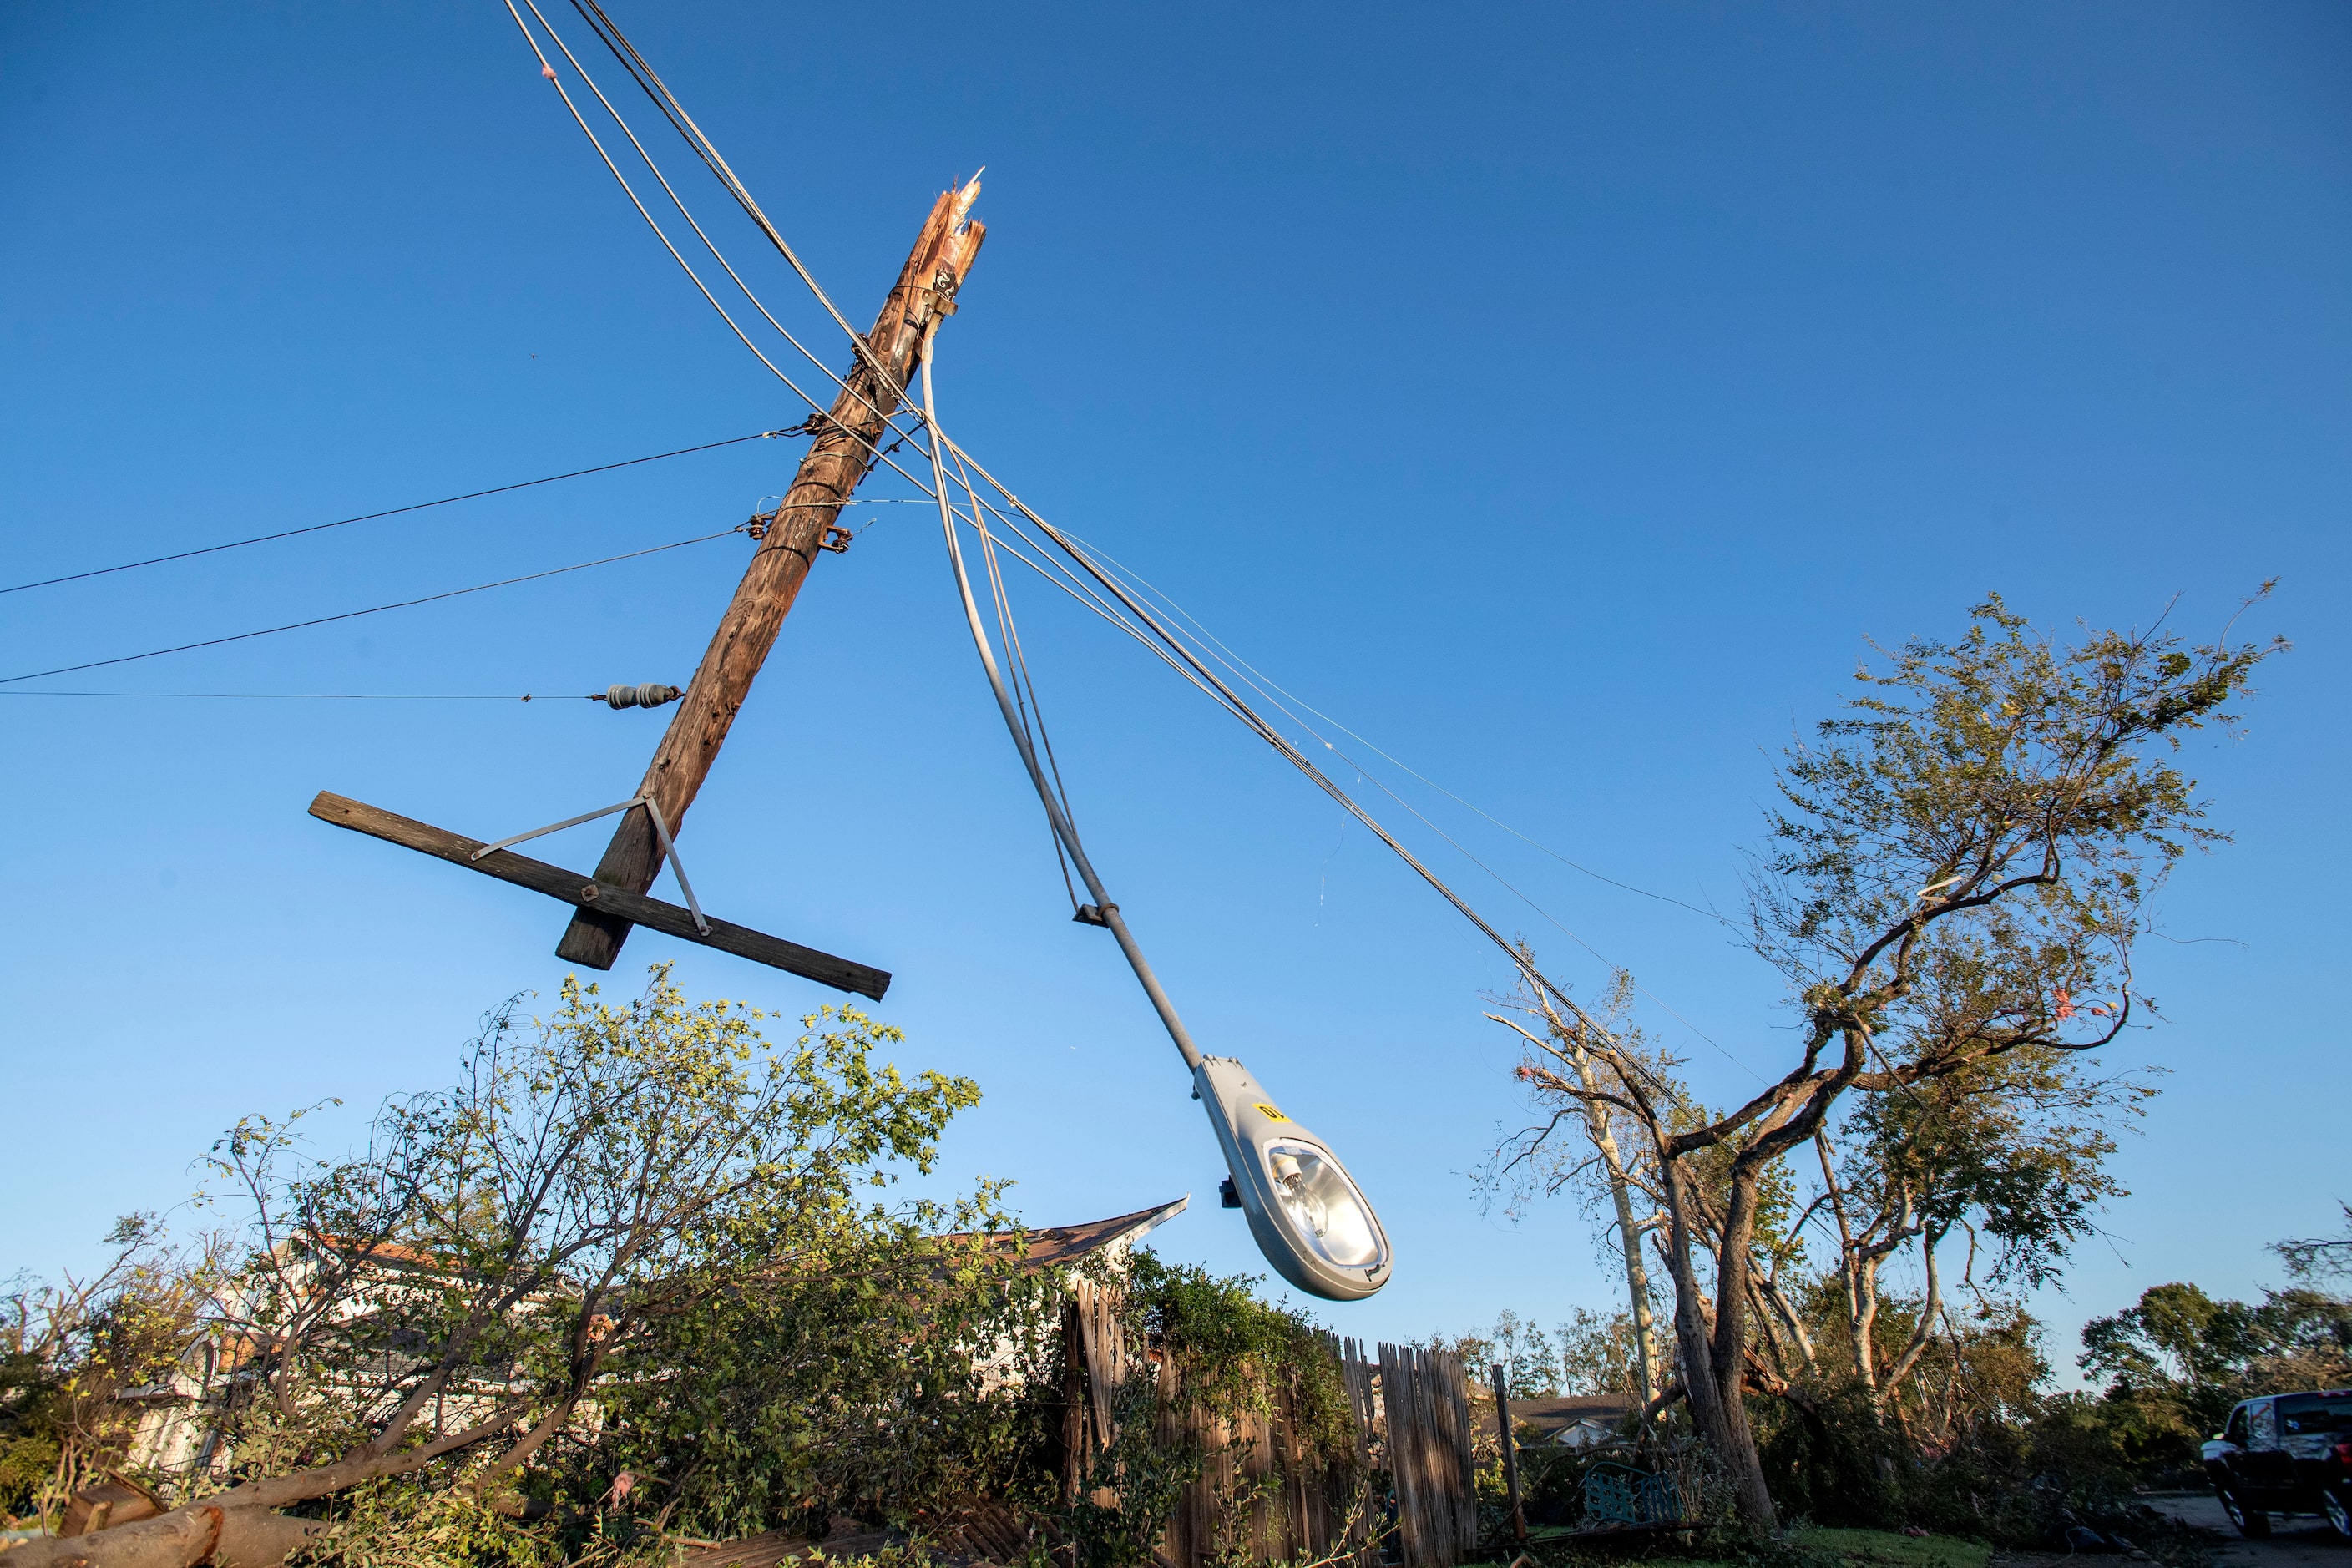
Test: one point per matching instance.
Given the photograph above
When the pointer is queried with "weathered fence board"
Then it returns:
(1262, 1495)
(1425, 1400)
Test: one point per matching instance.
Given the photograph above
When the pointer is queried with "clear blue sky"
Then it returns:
(1561, 397)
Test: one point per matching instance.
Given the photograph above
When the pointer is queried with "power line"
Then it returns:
(1234, 703)
(549, 72)
(327, 696)
(1219, 695)
(1191, 667)
(372, 610)
(857, 342)
(643, 73)
(1276, 693)
(396, 511)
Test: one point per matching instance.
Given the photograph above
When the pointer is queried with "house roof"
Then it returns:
(1069, 1243)
(1551, 1413)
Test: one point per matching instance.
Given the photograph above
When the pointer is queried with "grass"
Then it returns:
(1812, 1547)
(1887, 1549)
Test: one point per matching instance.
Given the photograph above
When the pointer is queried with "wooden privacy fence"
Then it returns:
(1407, 1495)
(1262, 1493)
(1424, 1424)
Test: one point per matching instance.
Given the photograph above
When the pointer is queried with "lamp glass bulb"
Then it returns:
(1324, 1203)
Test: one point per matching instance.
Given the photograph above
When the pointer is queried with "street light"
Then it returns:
(1308, 1215)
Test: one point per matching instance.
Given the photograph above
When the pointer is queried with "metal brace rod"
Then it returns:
(676, 866)
(661, 832)
(553, 827)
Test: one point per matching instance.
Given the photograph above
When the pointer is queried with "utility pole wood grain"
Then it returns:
(841, 451)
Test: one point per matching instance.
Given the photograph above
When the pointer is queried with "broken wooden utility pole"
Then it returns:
(844, 447)
(846, 443)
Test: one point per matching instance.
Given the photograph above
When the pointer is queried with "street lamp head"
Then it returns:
(1308, 1215)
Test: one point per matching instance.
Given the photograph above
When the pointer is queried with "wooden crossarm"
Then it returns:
(581, 892)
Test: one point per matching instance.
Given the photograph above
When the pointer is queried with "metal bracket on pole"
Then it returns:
(661, 833)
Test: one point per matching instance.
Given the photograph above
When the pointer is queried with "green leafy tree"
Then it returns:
(1518, 1345)
(2009, 1151)
(70, 1348)
(1599, 1354)
(2177, 1359)
(1958, 870)
(830, 1359)
(441, 1315)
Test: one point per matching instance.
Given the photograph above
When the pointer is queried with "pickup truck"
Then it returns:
(2285, 1453)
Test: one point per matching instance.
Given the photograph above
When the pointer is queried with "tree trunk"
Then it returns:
(1597, 1127)
(1733, 1262)
(1715, 1400)
(1923, 1332)
(174, 1539)
(226, 1537)
(841, 453)
(1724, 1418)
(1863, 1288)
(1850, 1264)
(1637, 1291)
(257, 1538)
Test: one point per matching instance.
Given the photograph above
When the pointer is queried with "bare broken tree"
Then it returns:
(1561, 1069)
(1959, 870)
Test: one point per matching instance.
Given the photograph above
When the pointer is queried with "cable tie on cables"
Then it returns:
(547, 70)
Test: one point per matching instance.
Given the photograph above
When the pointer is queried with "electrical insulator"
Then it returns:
(653, 694)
